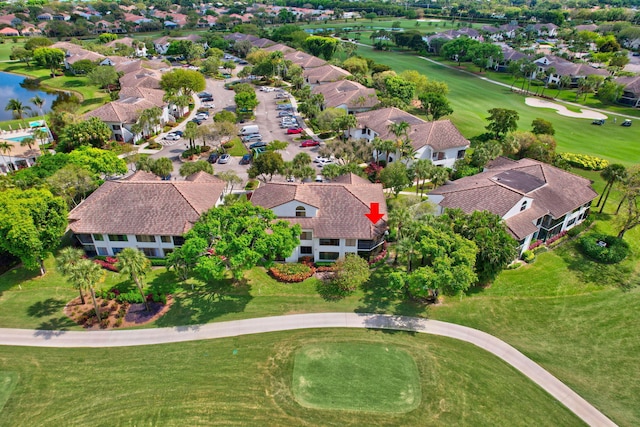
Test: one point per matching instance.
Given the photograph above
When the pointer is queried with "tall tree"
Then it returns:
(502, 121)
(351, 273)
(38, 102)
(266, 165)
(395, 176)
(89, 274)
(182, 82)
(612, 174)
(17, 108)
(66, 263)
(49, 57)
(435, 105)
(136, 265)
(31, 224)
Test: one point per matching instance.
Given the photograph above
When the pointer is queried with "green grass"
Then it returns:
(5, 49)
(16, 123)
(92, 96)
(247, 381)
(8, 381)
(471, 97)
(238, 149)
(357, 377)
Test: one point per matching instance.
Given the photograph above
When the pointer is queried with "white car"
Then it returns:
(172, 137)
(320, 159)
(202, 116)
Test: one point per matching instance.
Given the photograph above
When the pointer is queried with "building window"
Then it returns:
(438, 155)
(98, 238)
(116, 251)
(330, 242)
(301, 211)
(460, 154)
(84, 238)
(165, 239)
(118, 238)
(329, 256)
(178, 240)
(115, 127)
(523, 206)
(350, 242)
(306, 250)
(166, 252)
(539, 221)
(102, 251)
(145, 238)
(150, 252)
(571, 222)
(306, 235)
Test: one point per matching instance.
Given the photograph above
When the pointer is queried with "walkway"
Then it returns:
(575, 403)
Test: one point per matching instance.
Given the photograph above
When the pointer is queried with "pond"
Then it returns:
(14, 86)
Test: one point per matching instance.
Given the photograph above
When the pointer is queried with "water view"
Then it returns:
(13, 87)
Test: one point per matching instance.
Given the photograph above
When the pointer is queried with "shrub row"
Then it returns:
(604, 248)
(584, 161)
(291, 273)
(111, 266)
(158, 262)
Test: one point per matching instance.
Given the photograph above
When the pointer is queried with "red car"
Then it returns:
(309, 143)
(292, 131)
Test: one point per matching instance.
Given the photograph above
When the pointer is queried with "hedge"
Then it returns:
(291, 273)
(584, 161)
(612, 251)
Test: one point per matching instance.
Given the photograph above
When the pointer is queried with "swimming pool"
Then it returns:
(17, 138)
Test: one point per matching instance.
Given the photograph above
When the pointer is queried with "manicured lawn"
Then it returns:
(92, 97)
(356, 376)
(471, 97)
(16, 123)
(238, 149)
(8, 381)
(247, 381)
(5, 49)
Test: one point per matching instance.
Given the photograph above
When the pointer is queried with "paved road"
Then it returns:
(553, 386)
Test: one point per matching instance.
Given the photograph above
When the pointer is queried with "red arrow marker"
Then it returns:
(375, 215)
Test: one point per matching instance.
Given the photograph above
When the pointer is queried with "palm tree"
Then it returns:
(439, 176)
(136, 265)
(38, 102)
(611, 174)
(565, 81)
(15, 105)
(5, 148)
(190, 133)
(66, 264)
(40, 135)
(422, 170)
(89, 274)
(28, 142)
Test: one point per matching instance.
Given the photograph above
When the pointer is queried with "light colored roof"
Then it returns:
(304, 60)
(152, 95)
(144, 78)
(23, 152)
(279, 47)
(499, 188)
(439, 135)
(346, 92)
(126, 110)
(341, 206)
(146, 205)
(631, 84)
(127, 41)
(262, 43)
(324, 74)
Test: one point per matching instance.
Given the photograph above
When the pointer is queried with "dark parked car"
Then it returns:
(626, 123)
(178, 132)
(258, 144)
(207, 99)
(246, 159)
(598, 122)
(213, 157)
(204, 95)
(196, 121)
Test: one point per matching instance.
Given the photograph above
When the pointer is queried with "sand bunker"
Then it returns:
(562, 110)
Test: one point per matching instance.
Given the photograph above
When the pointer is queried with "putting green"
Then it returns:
(356, 376)
(8, 381)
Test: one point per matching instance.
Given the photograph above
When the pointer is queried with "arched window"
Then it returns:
(523, 206)
(301, 211)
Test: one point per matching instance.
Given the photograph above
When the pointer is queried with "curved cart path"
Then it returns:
(499, 348)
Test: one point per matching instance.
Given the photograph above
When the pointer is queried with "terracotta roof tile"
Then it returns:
(324, 74)
(345, 92)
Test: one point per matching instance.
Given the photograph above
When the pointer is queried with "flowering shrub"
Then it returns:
(584, 161)
(111, 266)
(535, 244)
(556, 237)
(381, 256)
(291, 273)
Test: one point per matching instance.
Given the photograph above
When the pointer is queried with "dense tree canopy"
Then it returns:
(93, 132)
(182, 81)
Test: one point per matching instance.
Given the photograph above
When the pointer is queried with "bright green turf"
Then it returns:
(205, 383)
(356, 376)
(8, 381)
(471, 97)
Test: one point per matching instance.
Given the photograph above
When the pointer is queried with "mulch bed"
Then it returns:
(114, 314)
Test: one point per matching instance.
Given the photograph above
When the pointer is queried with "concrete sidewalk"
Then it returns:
(499, 348)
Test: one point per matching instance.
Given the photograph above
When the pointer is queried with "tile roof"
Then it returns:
(145, 78)
(324, 74)
(154, 96)
(262, 43)
(553, 191)
(125, 110)
(631, 84)
(345, 92)
(304, 60)
(280, 47)
(145, 205)
(439, 135)
(341, 206)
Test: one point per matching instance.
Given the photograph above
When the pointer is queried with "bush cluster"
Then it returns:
(109, 263)
(132, 297)
(528, 256)
(291, 273)
(612, 251)
(158, 262)
(584, 161)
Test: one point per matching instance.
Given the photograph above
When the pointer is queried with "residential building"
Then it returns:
(280, 47)
(139, 47)
(143, 212)
(331, 215)
(631, 94)
(438, 141)
(9, 32)
(348, 95)
(18, 157)
(304, 60)
(536, 200)
(325, 74)
(557, 67)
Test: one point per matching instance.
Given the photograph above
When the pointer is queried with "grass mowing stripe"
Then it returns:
(8, 381)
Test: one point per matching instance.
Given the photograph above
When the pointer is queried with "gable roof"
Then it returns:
(154, 96)
(346, 92)
(143, 204)
(141, 78)
(324, 74)
(631, 84)
(126, 110)
(304, 60)
(342, 205)
(506, 182)
(279, 47)
(439, 135)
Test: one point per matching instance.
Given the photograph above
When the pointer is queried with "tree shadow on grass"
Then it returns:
(378, 296)
(56, 325)
(45, 308)
(587, 270)
(207, 302)
(328, 290)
